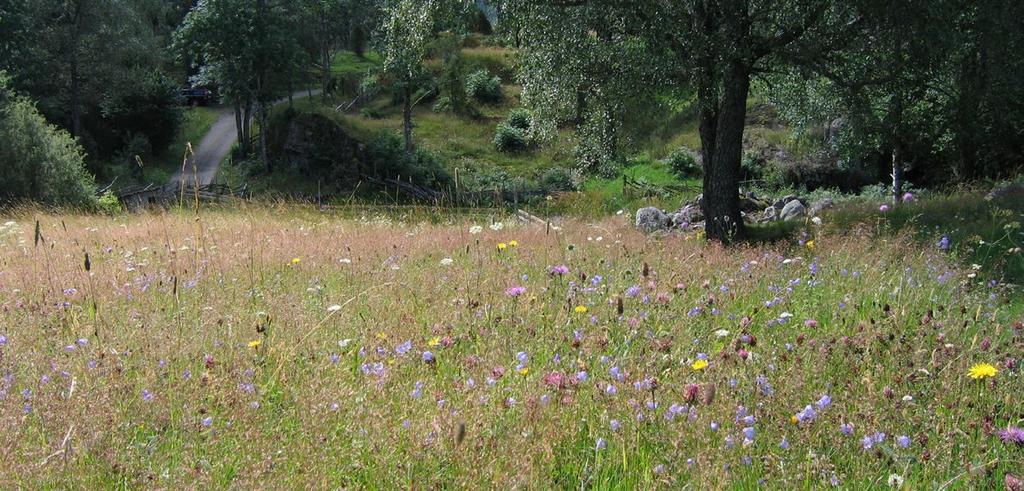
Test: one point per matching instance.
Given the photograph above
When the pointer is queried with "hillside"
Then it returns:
(465, 144)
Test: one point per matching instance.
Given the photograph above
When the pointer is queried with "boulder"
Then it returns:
(651, 219)
(691, 214)
(792, 210)
(820, 206)
(750, 203)
(770, 214)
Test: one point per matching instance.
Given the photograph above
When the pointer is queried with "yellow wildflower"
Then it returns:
(434, 341)
(793, 419)
(295, 260)
(810, 245)
(513, 243)
(382, 335)
(699, 365)
(581, 309)
(502, 246)
(524, 371)
(982, 370)
(255, 343)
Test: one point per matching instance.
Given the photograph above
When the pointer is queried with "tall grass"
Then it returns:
(203, 351)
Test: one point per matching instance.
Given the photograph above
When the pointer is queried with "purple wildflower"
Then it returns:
(147, 395)
(1012, 434)
(601, 444)
(428, 357)
(944, 242)
(560, 269)
(823, 402)
(846, 429)
(515, 291)
(903, 441)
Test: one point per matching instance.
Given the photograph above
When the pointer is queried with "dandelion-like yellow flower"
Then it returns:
(982, 370)
(581, 309)
(524, 371)
(255, 343)
(295, 260)
(502, 246)
(513, 243)
(434, 341)
(382, 335)
(699, 365)
(793, 419)
(810, 245)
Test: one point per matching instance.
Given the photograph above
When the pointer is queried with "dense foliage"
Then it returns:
(39, 161)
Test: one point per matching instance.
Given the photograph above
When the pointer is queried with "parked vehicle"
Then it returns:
(199, 96)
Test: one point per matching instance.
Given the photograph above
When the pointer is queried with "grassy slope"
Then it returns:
(198, 290)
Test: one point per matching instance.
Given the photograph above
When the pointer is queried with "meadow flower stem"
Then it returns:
(295, 347)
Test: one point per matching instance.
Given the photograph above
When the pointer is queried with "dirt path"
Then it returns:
(215, 147)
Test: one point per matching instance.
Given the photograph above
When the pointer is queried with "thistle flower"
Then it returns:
(1012, 434)
(515, 291)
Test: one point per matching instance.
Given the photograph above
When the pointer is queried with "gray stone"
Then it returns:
(794, 209)
(820, 206)
(651, 219)
(770, 214)
(691, 213)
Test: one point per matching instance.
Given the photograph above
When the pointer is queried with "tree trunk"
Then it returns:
(239, 134)
(325, 71)
(263, 137)
(76, 112)
(407, 120)
(723, 153)
(897, 174)
(244, 144)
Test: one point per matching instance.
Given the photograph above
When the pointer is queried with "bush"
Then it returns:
(385, 156)
(483, 87)
(39, 162)
(519, 118)
(557, 179)
(684, 164)
(109, 204)
(508, 138)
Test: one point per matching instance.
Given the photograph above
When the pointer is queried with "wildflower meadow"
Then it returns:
(270, 348)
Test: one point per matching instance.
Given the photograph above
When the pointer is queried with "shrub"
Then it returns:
(109, 204)
(483, 87)
(519, 118)
(557, 179)
(508, 138)
(683, 163)
(39, 162)
(385, 155)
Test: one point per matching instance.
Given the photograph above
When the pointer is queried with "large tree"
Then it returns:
(244, 47)
(405, 33)
(716, 48)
